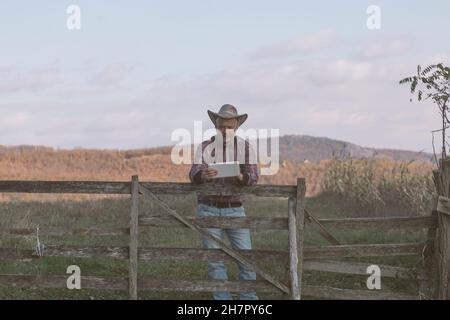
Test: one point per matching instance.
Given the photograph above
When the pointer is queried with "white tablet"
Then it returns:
(226, 169)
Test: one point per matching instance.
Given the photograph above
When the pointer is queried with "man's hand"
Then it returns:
(208, 174)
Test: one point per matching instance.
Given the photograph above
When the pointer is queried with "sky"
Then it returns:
(136, 71)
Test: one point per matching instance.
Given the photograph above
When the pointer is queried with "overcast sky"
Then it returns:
(138, 70)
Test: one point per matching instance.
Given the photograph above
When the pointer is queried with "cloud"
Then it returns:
(439, 58)
(335, 118)
(15, 120)
(355, 70)
(383, 49)
(300, 45)
(113, 74)
(88, 80)
(18, 79)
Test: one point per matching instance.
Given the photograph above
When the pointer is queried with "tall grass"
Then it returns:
(10, 218)
(370, 186)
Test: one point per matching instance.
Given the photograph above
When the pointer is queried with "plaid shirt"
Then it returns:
(249, 168)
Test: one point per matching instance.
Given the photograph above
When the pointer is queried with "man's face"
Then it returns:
(226, 127)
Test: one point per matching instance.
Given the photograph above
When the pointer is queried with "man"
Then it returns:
(226, 121)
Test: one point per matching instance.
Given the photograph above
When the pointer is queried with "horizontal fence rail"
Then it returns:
(118, 187)
(165, 285)
(151, 254)
(77, 187)
(231, 223)
(61, 231)
(161, 220)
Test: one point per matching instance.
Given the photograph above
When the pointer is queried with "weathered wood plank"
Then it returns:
(357, 268)
(57, 281)
(382, 222)
(123, 187)
(300, 228)
(204, 285)
(293, 253)
(244, 286)
(144, 284)
(320, 228)
(89, 187)
(216, 222)
(61, 231)
(427, 285)
(443, 205)
(429, 289)
(144, 254)
(183, 188)
(310, 252)
(133, 246)
(120, 253)
(281, 223)
(183, 254)
(162, 285)
(363, 250)
(350, 294)
(442, 247)
(165, 221)
(443, 241)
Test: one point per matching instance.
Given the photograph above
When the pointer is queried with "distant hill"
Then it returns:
(299, 148)
(295, 148)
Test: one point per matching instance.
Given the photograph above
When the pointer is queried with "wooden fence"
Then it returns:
(297, 259)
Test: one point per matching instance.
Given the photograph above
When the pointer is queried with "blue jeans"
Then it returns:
(239, 239)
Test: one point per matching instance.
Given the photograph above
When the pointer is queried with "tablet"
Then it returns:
(226, 169)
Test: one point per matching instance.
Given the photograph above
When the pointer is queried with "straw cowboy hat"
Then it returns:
(227, 111)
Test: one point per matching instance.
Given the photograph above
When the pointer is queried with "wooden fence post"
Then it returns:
(296, 222)
(427, 276)
(133, 248)
(442, 243)
(293, 252)
(300, 219)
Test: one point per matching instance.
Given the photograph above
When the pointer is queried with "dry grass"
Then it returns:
(374, 185)
(43, 163)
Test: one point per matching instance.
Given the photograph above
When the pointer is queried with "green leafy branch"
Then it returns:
(432, 82)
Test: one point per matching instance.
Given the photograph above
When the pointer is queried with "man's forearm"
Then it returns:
(195, 175)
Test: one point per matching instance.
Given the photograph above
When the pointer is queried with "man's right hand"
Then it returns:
(208, 174)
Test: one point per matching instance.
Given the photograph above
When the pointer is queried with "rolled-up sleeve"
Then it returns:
(250, 174)
(250, 170)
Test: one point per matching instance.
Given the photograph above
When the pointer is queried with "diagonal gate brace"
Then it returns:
(222, 245)
(323, 232)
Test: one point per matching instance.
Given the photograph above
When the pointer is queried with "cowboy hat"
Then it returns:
(227, 111)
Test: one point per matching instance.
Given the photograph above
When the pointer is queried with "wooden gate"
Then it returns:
(249, 258)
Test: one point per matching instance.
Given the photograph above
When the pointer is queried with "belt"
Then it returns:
(223, 204)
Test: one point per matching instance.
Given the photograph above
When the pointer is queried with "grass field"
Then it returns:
(114, 212)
